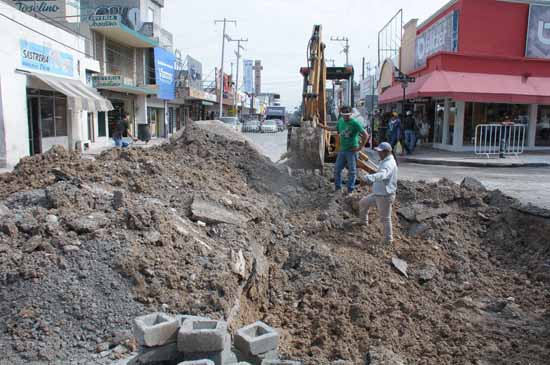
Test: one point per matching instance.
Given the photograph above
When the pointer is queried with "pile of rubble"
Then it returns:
(207, 226)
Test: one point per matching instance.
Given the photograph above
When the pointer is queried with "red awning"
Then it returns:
(483, 88)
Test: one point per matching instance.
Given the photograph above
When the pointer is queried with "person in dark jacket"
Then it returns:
(410, 133)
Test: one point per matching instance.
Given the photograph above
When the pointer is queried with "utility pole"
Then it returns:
(363, 69)
(238, 54)
(346, 47)
(224, 36)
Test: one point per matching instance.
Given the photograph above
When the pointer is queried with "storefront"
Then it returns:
(44, 97)
(470, 71)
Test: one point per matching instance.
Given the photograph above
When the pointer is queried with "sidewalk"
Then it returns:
(431, 156)
(91, 153)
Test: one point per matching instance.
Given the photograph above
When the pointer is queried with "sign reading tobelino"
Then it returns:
(441, 36)
(538, 32)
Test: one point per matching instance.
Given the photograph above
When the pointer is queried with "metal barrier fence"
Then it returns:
(500, 139)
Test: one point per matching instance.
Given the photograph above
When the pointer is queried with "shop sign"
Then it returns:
(194, 73)
(37, 6)
(165, 74)
(106, 81)
(248, 76)
(440, 37)
(104, 21)
(37, 57)
(127, 11)
(538, 32)
(202, 95)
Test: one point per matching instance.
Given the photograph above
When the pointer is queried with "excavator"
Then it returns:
(309, 146)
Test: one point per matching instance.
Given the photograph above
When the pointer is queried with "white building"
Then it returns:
(46, 96)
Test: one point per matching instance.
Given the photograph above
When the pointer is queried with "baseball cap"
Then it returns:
(384, 146)
(346, 110)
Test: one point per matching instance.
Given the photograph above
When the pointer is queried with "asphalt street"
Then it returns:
(529, 185)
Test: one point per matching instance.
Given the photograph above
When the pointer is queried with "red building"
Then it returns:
(476, 62)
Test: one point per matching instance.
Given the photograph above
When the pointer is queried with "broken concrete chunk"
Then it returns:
(238, 263)
(118, 199)
(417, 229)
(423, 213)
(281, 362)
(214, 213)
(472, 184)
(155, 329)
(408, 213)
(89, 223)
(400, 265)
(256, 338)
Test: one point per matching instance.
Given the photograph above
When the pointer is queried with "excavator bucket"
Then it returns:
(306, 148)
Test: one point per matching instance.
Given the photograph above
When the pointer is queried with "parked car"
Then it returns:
(269, 126)
(251, 126)
(232, 122)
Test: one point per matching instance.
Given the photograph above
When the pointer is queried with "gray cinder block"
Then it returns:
(155, 329)
(197, 362)
(196, 335)
(256, 338)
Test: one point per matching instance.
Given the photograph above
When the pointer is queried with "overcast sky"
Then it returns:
(278, 32)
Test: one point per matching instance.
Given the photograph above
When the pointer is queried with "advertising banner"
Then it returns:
(194, 68)
(35, 57)
(165, 74)
(538, 32)
(441, 36)
(248, 66)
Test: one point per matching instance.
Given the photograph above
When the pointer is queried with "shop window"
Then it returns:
(452, 119)
(542, 136)
(439, 122)
(60, 117)
(91, 129)
(47, 122)
(101, 125)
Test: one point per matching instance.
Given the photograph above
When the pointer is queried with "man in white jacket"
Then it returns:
(384, 187)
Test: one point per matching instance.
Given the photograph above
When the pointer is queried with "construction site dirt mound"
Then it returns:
(208, 226)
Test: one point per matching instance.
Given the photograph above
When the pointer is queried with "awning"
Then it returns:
(474, 87)
(80, 96)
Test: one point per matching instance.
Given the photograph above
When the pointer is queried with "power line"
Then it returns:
(346, 47)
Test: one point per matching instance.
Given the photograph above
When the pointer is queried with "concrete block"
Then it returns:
(257, 359)
(154, 355)
(256, 338)
(202, 336)
(155, 329)
(197, 362)
(224, 357)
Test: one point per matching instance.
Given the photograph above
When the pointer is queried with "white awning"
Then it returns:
(80, 96)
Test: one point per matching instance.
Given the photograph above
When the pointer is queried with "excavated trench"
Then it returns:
(86, 246)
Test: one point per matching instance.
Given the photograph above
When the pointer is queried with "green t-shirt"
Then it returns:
(349, 134)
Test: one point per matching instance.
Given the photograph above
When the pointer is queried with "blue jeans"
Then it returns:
(119, 142)
(410, 141)
(344, 159)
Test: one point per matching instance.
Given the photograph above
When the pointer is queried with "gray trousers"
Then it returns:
(384, 205)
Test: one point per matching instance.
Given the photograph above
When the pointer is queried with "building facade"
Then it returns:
(46, 97)
(475, 62)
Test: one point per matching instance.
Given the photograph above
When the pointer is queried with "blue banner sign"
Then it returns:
(44, 59)
(165, 74)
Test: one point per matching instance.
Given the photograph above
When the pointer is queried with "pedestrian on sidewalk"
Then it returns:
(410, 133)
(123, 130)
(353, 138)
(394, 132)
(384, 188)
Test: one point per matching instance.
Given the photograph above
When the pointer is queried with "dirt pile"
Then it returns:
(207, 226)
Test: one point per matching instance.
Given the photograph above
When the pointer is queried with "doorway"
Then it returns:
(33, 116)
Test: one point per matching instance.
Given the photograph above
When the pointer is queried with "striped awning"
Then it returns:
(80, 96)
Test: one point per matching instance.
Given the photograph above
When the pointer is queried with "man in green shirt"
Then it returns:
(353, 138)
